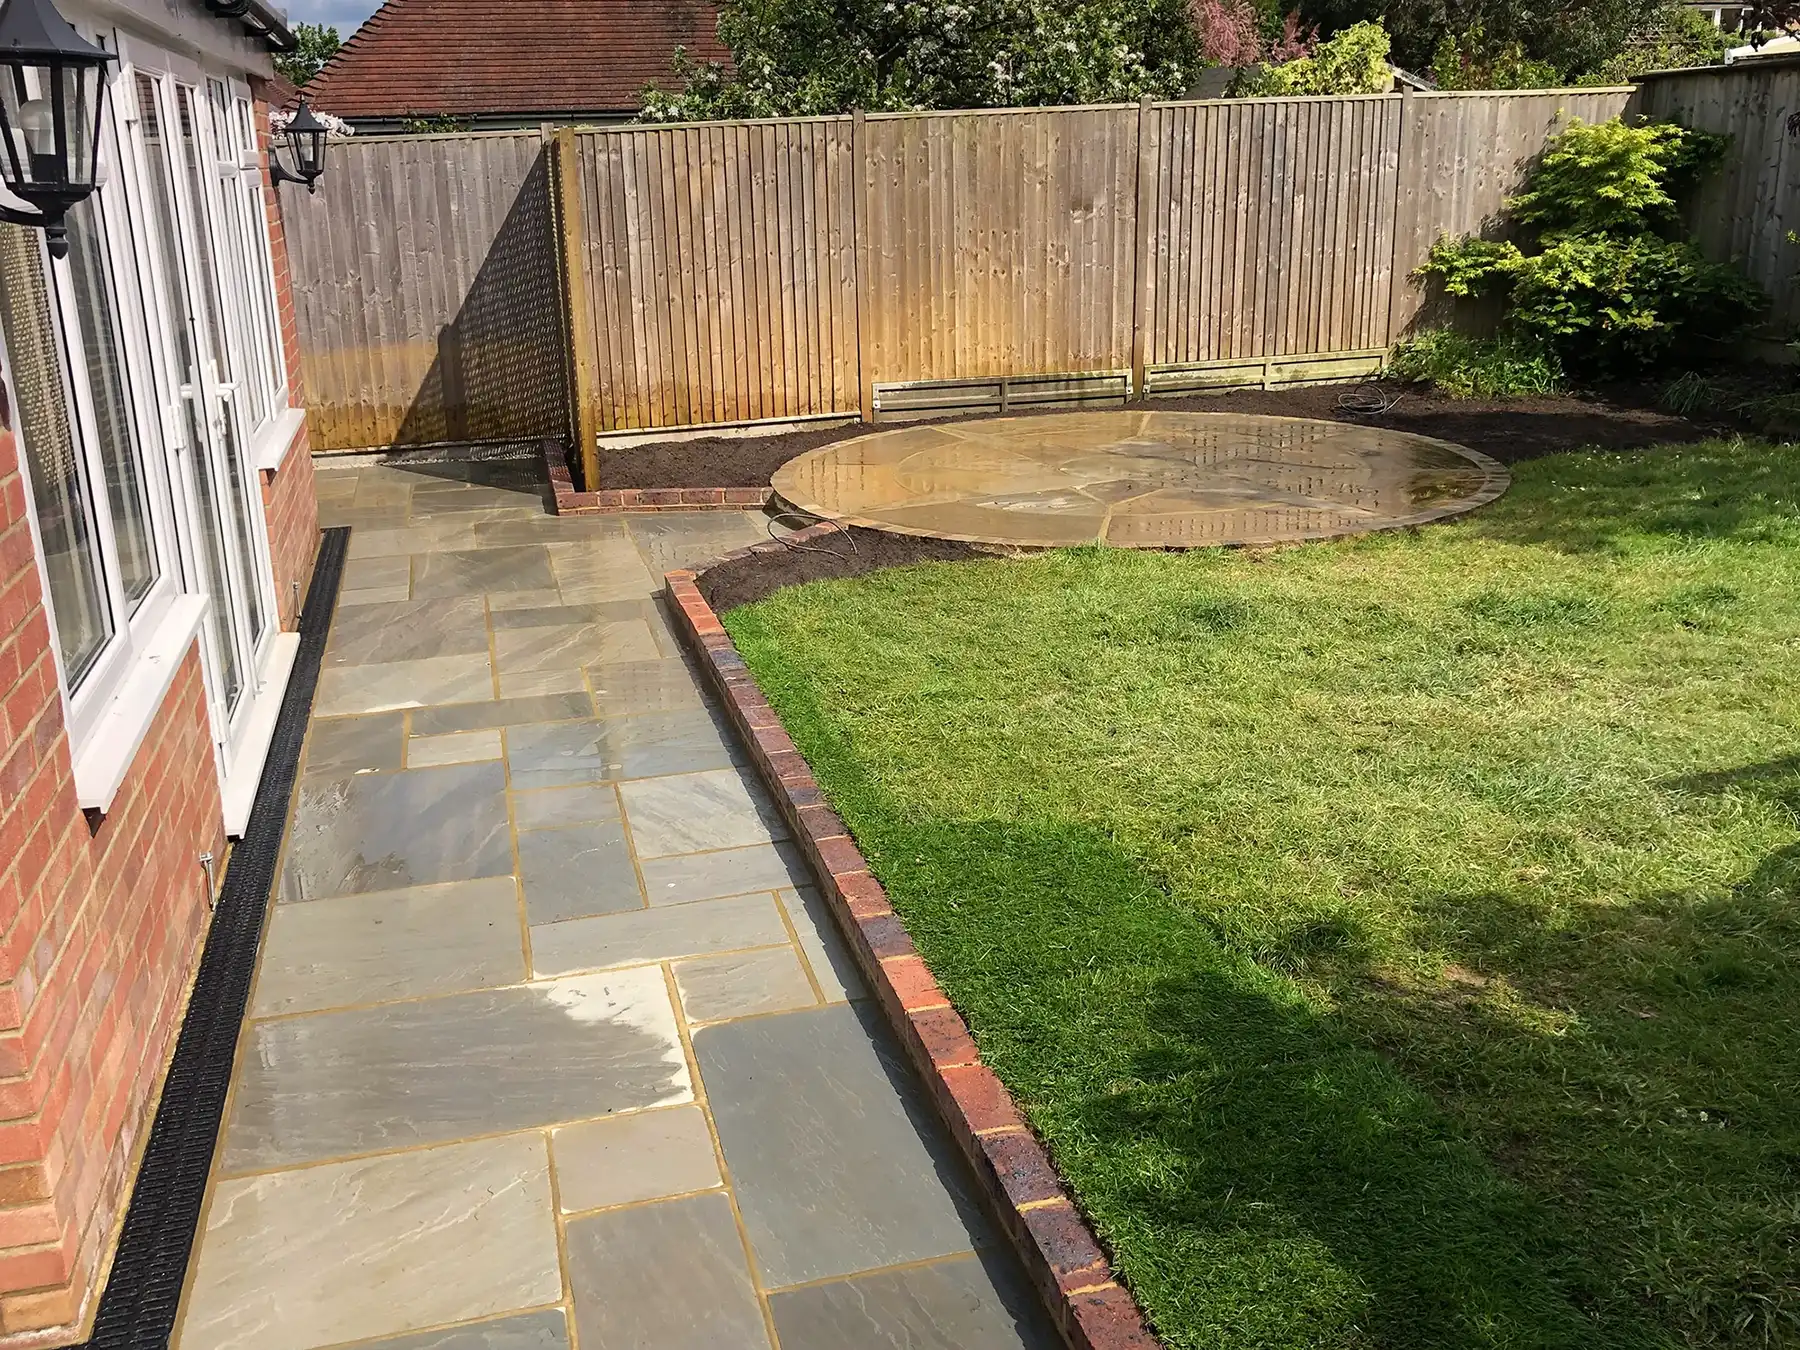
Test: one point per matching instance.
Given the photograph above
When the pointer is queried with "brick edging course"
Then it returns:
(612, 501)
(1058, 1249)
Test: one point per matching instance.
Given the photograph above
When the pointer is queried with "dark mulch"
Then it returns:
(743, 581)
(1508, 429)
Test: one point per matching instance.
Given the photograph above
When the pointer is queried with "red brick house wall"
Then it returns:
(99, 931)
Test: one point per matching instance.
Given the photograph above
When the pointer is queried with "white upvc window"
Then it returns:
(100, 504)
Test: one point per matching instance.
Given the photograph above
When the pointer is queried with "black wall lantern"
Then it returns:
(51, 89)
(305, 135)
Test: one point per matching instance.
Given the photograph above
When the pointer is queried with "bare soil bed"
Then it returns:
(1508, 429)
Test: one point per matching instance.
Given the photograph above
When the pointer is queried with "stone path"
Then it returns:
(550, 1044)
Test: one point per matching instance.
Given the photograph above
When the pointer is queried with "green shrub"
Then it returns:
(1614, 177)
(1354, 61)
(1600, 276)
(1475, 61)
(1469, 367)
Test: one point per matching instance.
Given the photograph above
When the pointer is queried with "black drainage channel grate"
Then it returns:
(137, 1310)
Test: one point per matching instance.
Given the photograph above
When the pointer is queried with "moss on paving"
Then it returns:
(1397, 941)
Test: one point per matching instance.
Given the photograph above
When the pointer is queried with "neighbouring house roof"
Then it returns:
(475, 58)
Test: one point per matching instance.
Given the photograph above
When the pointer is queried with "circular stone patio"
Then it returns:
(1139, 479)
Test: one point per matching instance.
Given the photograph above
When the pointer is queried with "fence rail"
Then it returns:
(643, 278)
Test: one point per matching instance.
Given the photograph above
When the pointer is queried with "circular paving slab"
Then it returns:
(1139, 479)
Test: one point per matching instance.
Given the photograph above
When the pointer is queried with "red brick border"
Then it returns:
(1060, 1253)
(613, 501)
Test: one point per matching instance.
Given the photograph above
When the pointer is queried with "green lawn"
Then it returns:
(1397, 942)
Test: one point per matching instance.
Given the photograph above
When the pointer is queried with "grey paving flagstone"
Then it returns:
(502, 712)
(389, 945)
(541, 683)
(743, 984)
(577, 871)
(458, 747)
(552, 647)
(408, 631)
(362, 574)
(405, 1074)
(686, 877)
(626, 687)
(548, 808)
(823, 942)
(375, 1247)
(556, 616)
(696, 812)
(670, 1276)
(656, 935)
(645, 1155)
(383, 831)
(958, 1304)
(346, 690)
(341, 747)
(599, 751)
(836, 1170)
(545, 1330)
(473, 571)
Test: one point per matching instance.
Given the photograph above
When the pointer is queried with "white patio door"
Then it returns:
(220, 513)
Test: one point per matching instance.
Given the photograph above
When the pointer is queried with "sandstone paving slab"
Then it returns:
(549, 647)
(836, 1162)
(390, 945)
(501, 712)
(966, 1303)
(669, 1276)
(375, 1246)
(342, 747)
(622, 688)
(382, 831)
(661, 934)
(823, 942)
(458, 747)
(686, 877)
(697, 812)
(577, 871)
(347, 690)
(548, 808)
(405, 1074)
(475, 571)
(547, 1329)
(607, 750)
(743, 984)
(408, 631)
(647, 1155)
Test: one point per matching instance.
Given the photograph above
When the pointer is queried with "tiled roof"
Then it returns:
(463, 58)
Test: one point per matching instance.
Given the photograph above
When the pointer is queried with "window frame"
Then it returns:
(135, 625)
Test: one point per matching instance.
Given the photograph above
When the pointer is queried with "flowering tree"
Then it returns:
(806, 57)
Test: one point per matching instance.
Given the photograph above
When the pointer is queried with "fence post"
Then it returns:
(1405, 184)
(859, 210)
(580, 326)
(1140, 259)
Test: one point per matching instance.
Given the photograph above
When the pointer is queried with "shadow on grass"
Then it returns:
(1598, 503)
(1405, 1166)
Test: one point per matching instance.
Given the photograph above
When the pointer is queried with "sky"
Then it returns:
(344, 15)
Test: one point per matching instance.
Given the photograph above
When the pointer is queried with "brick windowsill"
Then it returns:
(613, 501)
(1060, 1253)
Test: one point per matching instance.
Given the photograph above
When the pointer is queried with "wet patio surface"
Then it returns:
(1139, 479)
(551, 1044)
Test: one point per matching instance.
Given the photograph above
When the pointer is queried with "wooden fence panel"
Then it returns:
(426, 293)
(999, 243)
(1273, 228)
(721, 271)
(1465, 154)
(1744, 212)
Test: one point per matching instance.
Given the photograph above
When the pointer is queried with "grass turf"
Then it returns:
(1395, 941)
